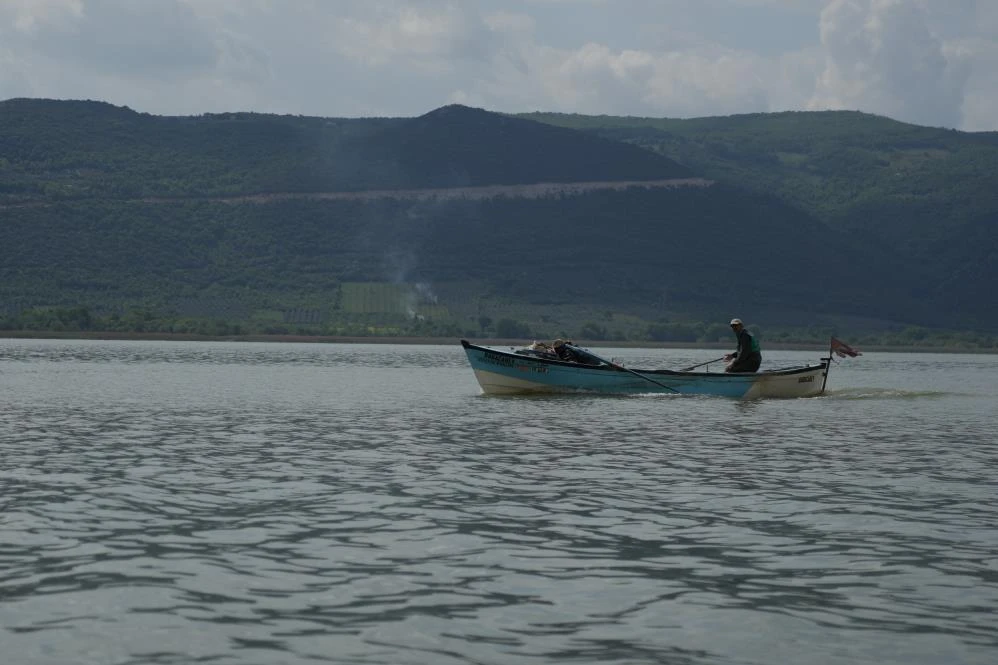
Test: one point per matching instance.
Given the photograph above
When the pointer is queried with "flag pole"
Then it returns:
(828, 366)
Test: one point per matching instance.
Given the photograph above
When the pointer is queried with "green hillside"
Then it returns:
(828, 163)
(928, 194)
(82, 150)
(616, 250)
(265, 223)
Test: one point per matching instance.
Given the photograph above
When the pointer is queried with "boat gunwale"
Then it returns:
(784, 371)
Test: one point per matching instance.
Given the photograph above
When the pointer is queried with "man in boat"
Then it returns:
(570, 353)
(564, 351)
(747, 357)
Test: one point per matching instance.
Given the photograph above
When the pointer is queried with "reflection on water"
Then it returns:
(227, 503)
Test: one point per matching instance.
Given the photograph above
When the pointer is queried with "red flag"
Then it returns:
(841, 349)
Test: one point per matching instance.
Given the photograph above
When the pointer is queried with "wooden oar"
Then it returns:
(702, 364)
(621, 367)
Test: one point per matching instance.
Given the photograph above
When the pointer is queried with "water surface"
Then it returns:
(292, 503)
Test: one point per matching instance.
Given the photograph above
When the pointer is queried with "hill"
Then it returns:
(927, 195)
(462, 219)
(72, 150)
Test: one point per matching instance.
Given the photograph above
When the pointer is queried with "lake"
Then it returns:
(216, 502)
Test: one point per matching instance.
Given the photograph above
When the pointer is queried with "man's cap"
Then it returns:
(735, 322)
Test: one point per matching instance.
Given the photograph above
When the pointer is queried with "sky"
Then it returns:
(928, 62)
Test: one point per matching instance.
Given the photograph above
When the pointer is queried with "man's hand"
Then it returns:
(728, 356)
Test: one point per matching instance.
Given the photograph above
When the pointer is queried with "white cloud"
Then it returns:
(883, 56)
(437, 36)
(600, 80)
(27, 16)
(14, 82)
(918, 60)
(981, 98)
(116, 37)
(159, 56)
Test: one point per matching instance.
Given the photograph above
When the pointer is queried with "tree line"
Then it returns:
(66, 321)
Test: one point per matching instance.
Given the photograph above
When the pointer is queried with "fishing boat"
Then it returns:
(526, 371)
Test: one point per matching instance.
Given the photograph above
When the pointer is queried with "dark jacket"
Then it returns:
(574, 354)
(747, 344)
(747, 357)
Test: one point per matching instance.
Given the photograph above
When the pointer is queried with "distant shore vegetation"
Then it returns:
(146, 323)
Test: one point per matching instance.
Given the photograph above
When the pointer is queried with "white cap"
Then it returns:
(735, 322)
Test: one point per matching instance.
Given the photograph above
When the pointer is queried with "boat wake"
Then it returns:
(883, 393)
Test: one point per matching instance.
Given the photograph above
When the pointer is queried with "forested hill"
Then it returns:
(452, 221)
(927, 195)
(70, 150)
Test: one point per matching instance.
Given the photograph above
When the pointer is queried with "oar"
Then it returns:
(702, 364)
(621, 367)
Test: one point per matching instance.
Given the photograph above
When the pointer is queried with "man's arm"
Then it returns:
(734, 354)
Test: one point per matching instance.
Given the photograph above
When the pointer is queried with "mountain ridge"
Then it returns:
(271, 212)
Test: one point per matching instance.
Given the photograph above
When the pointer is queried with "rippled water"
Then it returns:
(265, 503)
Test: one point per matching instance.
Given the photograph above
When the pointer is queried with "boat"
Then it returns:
(526, 371)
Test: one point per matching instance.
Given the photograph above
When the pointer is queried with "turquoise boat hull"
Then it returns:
(508, 373)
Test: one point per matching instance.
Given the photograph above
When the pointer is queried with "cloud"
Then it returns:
(117, 37)
(981, 97)
(630, 82)
(162, 54)
(28, 16)
(14, 82)
(917, 60)
(437, 36)
(882, 57)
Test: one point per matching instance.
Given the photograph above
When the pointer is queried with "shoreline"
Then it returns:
(447, 341)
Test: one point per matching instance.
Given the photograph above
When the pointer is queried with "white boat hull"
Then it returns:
(504, 373)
